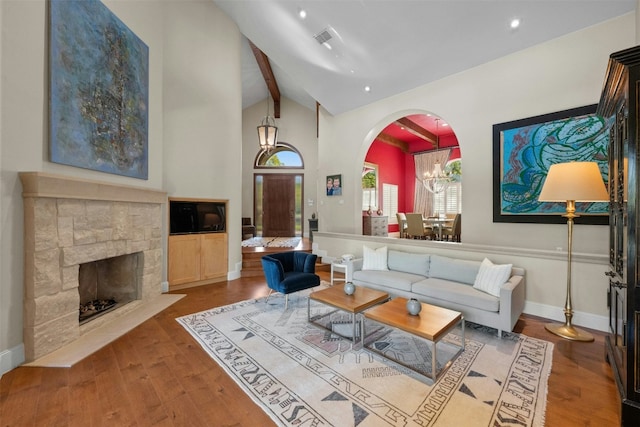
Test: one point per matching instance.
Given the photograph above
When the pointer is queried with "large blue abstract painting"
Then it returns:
(99, 90)
(523, 152)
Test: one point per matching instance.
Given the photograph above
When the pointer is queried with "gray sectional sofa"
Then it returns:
(447, 282)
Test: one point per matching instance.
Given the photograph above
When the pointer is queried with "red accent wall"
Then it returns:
(392, 169)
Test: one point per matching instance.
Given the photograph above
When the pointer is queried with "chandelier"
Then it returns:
(437, 180)
(267, 132)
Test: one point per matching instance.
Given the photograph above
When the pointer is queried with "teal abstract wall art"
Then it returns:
(523, 151)
(99, 90)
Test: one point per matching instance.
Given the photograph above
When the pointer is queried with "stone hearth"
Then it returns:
(71, 221)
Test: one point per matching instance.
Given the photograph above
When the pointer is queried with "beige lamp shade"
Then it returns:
(577, 181)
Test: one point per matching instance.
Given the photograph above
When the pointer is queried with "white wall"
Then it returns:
(194, 122)
(564, 73)
(296, 126)
(203, 111)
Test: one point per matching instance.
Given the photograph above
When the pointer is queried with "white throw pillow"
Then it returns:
(491, 277)
(374, 259)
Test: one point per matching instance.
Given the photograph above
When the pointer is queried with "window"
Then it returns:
(450, 200)
(282, 157)
(390, 202)
(369, 186)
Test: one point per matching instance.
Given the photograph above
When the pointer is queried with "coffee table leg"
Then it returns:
(434, 363)
(353, 323)
(362, 331)
(463, 340)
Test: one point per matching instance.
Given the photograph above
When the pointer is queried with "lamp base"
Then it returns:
(569, 332)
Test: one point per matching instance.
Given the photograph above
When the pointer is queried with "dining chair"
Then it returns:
(416, 228)
(402, 224)
(454, 230)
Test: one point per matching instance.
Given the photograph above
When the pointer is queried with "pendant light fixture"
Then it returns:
(437, 180)
(267, 132)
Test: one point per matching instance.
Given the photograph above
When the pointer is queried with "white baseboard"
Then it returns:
(586, 320)
(233, 275)
(11, 358)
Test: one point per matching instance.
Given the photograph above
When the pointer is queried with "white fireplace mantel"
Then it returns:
(40, 184)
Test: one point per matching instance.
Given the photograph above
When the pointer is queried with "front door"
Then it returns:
(279, 205)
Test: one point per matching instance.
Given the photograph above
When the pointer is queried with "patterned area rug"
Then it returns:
(271, 242)
(302, 375)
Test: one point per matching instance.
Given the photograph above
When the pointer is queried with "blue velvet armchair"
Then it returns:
(288, 272)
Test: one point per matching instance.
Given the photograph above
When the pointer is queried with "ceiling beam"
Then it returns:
(417, 130)
(269, 78)
(392, 140)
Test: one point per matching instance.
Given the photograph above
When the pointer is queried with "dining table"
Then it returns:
(437, 222)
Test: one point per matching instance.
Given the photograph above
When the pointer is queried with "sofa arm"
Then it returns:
(512, 301)
(357, 264)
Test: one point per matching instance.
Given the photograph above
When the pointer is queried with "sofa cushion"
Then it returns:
(491, 277)
(458, 293)
(374, 259)
(408, 262)
(457, 270)
(388, 279)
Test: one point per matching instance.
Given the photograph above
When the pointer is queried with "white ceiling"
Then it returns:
(392, 45)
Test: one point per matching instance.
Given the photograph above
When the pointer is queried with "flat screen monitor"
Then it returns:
(196, 217)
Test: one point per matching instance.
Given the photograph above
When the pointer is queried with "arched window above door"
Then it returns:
(283, 156)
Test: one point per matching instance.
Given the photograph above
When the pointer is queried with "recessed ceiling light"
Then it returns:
(515, 23)
(302, 13)
(367, 88)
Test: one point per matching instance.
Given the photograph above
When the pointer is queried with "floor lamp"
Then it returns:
(571, 182)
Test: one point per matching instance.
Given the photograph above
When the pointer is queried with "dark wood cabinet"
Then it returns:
(619, 107)
(313, 226)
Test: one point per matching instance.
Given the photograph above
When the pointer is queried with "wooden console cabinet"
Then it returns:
(197, 258)
(375, 226)
(621, 110)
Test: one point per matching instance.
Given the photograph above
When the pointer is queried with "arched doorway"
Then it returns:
(402, 154)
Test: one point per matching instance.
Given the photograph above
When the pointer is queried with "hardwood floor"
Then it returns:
(156, 375)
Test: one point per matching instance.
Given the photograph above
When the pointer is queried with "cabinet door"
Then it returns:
(618, 232)
(184, 259)
(213, 252)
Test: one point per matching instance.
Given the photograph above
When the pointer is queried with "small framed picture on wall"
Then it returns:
(334, 185)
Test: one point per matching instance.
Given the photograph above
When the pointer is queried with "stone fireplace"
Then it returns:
(69, 222)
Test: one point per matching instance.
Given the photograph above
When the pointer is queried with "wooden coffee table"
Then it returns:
(362, 299)
(433, 323)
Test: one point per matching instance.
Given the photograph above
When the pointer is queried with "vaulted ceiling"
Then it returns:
(389, 46)
(392, 45)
